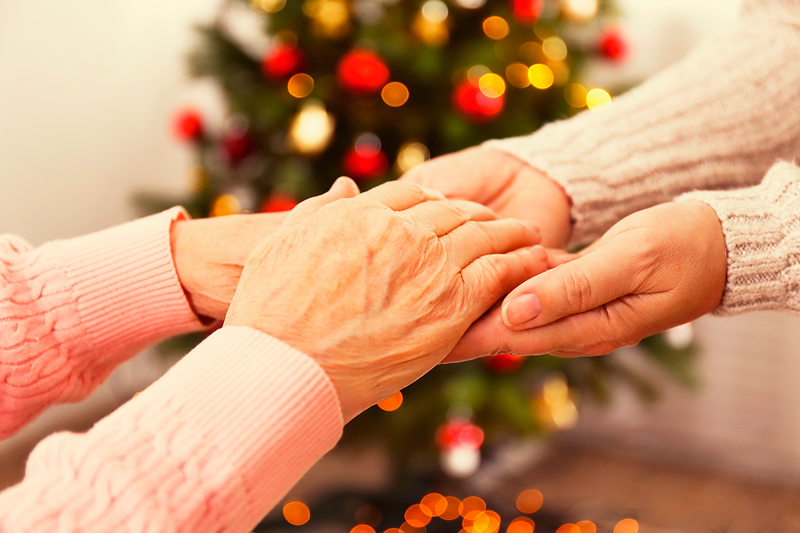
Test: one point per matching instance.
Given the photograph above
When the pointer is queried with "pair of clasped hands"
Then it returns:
(457, 260)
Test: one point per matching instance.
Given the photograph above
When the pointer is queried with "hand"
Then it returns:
(504, 183)
(655, 269)
(210, 253)
(379, 288)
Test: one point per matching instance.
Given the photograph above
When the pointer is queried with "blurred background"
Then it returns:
(89, 98)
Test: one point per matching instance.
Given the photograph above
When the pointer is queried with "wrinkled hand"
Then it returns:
(504, 183)
(210, 253)
(379, 288)
(653, 270)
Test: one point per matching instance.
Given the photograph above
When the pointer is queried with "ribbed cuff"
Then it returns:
(126, 286)
(761, 225)
(234, 424)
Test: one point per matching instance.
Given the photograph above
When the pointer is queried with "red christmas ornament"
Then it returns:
(362, 71)
(527, 12)
(278, 202)
(365, 163)
(282, 61)
(504, 362)
(188, 125)
(457, 434)
(473, 104)
(612, 45)
(236, 145)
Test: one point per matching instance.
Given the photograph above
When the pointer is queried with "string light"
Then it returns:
(540, 76)
(417, 517)
(451, 512)
(575, 95)
(628, 525)
(300, 85)
(311, 129)
(517, 75)
(598, 99)
(225, 205)
(433, 504)
(296, 513)
(268, 6)
(471, 504)
(394, 94)
(523, 524)
(529, 501)
(393, 402)
(495, 27)
(412, 154)
(492, 85)
(580, 10)
(554, 48)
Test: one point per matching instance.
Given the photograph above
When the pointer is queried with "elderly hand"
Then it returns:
(379, 288)
(504, 183)
(653, 270)
(210, 253)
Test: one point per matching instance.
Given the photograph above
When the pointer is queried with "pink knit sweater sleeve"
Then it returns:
(210, 447)
(72, 310)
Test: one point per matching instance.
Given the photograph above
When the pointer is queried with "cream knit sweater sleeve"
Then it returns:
(761, 225)
(718, 119)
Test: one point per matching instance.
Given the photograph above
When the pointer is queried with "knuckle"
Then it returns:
(576, 289)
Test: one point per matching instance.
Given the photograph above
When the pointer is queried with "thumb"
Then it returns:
(570, 288)
(343, 187)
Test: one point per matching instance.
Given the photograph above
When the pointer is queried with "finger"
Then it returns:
(400, 196)
(571, 288)
(472, 240)
(343, 187)
(486, 336)
(444, 217)
(490, 277)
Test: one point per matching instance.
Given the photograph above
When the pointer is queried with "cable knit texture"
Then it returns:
(72, 310)
(762, 236)
(210, 447)
(718, 119)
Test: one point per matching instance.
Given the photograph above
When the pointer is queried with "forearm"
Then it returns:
(211, 446)
(717, 119)
(73, 310)
(761, 226)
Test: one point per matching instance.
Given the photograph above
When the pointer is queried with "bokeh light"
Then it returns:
(268, 6)
(523, 524)
(433, 504)
(530, 501)
(434, 11)
(471, 4)
(492, 85)
(393, 402)
(394, 94)
(517, 75)
(481, 522)
(300, 85)
(476, 72)
(575, 95)
(540, 76)
(296, 513)
(598, 99)
(393, 530)
(554, 48)
(471, 504)
(412, 154)
(417, 517)
(408, 528)
(362, 528)
(311, 130)
(568, 528)
(560, 72)
(532, 52)
(495, 27)
(587, 526)
(452, 511)
(628, 525)
(226, 204)
(580, 10)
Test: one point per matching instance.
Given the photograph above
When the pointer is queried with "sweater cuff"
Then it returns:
(761, 225)
(126, 286)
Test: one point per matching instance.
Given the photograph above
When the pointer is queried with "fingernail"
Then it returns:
(522, 309)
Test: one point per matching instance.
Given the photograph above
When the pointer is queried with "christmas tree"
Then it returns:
(369, 89)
